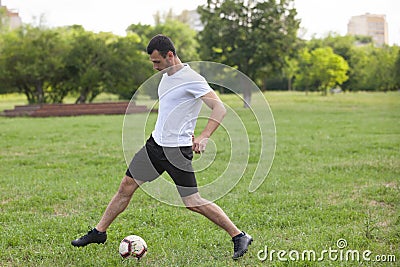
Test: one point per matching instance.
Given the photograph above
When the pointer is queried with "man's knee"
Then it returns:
(194, 202)
(128, 186)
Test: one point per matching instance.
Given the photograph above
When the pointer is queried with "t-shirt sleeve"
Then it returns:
(199, 88)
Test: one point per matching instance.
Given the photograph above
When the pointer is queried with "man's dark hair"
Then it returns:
(162, 44)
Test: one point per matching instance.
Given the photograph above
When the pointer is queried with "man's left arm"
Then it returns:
(218, 112)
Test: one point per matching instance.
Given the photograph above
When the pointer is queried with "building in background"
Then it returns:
(194, 20)
(371, 25)
(11, 18)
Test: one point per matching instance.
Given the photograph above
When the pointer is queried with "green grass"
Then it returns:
(336, 174)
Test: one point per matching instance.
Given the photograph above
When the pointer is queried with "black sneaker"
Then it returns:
(240, 245)
(93, 236)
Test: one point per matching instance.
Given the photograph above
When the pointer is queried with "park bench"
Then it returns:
(50, 110)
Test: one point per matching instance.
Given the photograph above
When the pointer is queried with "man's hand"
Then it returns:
(199, 144)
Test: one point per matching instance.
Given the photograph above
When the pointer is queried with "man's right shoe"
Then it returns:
(241, 243)
(93, 236)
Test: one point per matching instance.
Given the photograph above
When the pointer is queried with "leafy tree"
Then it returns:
(397, 70)
(85, 64)
(143, 31)
(289, 70)
(382, 73)
(30, 58)
(252, 36)
(321, 69)
(359, 64)
(105, 62)
(351, 48)
(183, 36)
(128, 66)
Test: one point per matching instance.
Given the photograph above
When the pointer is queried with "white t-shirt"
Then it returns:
(179, 106)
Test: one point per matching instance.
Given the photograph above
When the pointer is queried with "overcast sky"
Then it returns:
(318, 16)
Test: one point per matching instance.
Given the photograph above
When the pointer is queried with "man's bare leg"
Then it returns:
(212, 211)
(118, 203)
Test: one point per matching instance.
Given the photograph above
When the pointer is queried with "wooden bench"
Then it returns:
(50, 110)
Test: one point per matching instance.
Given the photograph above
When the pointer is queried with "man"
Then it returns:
(170, 147)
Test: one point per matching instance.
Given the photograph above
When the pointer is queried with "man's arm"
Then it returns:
(218, 112)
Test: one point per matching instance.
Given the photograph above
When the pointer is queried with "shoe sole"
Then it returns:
(98, 243)
(244, 251)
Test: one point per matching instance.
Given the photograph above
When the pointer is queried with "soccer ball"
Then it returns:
(133, 246)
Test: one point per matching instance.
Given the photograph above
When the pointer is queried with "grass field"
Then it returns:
(336, 175)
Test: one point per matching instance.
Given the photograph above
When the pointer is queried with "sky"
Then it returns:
(318, 17)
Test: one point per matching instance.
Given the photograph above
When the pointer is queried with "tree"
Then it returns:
(359, 64)
(252, 36)
(30, 58)
(321, 69)
(128, 66)
(289, 70)
(397, 69)
(85, 63)
(351, 48)
(382, 73)
(183, 36)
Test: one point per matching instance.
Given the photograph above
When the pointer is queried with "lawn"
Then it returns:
(333, 189)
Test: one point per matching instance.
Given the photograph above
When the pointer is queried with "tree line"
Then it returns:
(259, 38)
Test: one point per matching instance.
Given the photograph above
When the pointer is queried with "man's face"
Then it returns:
(160, 63)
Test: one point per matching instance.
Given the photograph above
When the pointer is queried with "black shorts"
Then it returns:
(152, 160)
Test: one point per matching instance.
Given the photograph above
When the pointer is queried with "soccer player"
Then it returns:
(170, 147)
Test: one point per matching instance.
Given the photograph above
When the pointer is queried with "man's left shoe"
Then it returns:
(240, 245)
